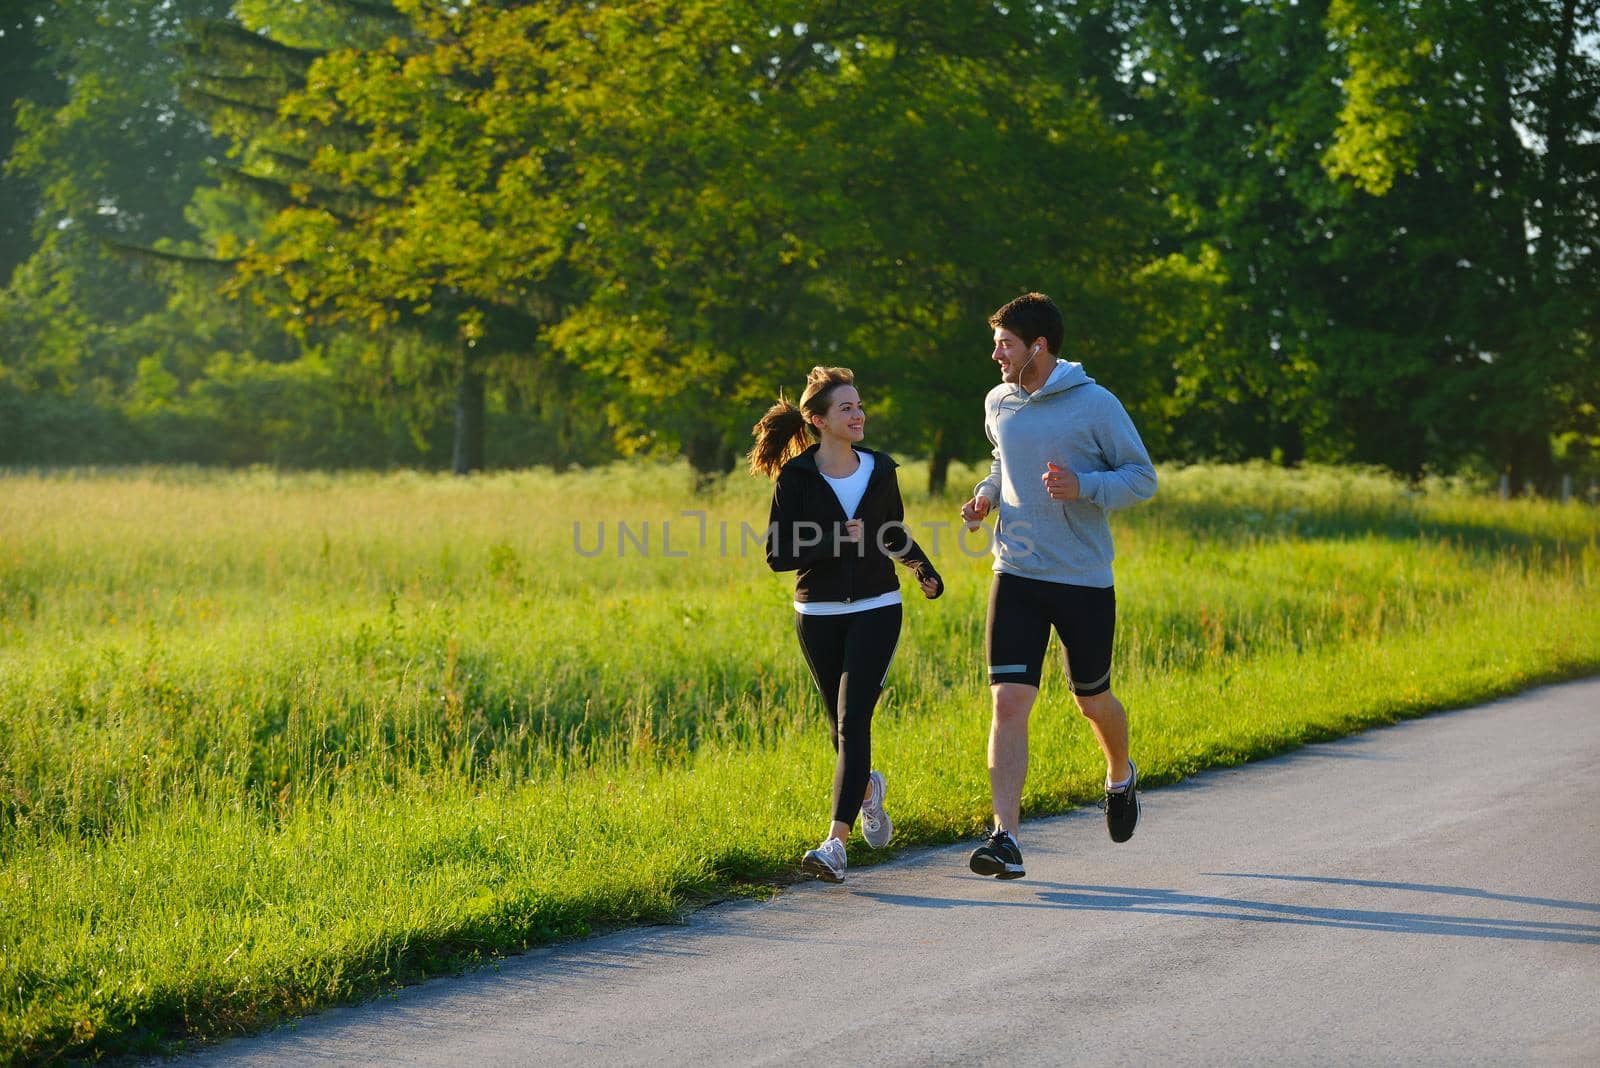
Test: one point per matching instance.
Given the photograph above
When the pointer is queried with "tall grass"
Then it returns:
(268, 742)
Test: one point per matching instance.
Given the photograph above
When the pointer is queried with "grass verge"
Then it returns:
(256, 770)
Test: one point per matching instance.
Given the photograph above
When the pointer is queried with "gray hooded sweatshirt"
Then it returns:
(1080, 426)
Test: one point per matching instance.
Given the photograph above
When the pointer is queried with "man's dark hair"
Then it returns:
(1032, 316)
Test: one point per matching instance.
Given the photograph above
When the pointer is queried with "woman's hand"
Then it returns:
(854, 529)
(931, 587)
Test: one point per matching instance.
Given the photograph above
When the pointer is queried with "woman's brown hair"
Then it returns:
(785, 430)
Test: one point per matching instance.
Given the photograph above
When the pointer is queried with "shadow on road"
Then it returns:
(1429, 888)
(1162, 902)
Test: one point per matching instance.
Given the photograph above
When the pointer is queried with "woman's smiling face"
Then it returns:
(845, 418)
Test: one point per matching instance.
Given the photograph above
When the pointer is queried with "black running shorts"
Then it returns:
(1021, 613)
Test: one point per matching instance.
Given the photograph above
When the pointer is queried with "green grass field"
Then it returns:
(271, 742)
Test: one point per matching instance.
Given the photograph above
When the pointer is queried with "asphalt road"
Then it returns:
(1422, 894)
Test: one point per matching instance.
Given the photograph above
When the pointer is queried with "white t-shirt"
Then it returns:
(849, 489)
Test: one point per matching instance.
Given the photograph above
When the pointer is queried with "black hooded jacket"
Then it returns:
(806, 521)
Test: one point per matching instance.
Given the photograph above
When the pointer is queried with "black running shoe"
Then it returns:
(999, 856)
(1122, 808)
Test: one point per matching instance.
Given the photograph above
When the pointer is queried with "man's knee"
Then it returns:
(1098, 706)
(1013, 701)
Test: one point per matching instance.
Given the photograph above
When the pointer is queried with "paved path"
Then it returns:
(1421, 894)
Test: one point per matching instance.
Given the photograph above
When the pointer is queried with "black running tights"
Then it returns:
(849, 656)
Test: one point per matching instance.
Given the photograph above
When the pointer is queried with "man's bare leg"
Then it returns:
(1109, 721)
(1008, 750)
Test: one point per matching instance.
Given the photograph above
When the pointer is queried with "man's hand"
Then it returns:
(973, 511)
(1060, 483)
(853, 529)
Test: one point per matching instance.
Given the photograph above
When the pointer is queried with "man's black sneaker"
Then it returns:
(999, 856)
(1122, 808)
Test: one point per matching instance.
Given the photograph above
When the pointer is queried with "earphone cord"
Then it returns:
(1017, 388)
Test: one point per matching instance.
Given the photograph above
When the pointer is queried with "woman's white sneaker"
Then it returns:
(826, 862)
(876, 826)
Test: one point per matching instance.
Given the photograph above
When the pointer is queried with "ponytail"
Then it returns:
(780, 437)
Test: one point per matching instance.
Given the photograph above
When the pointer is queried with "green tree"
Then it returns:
(24, 81)
(403, 162)
(1367, 176)
(861, 186)
(695, 201)
(1472, 125)
(115, 161)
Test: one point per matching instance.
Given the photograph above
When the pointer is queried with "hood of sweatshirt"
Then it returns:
(1059, 382)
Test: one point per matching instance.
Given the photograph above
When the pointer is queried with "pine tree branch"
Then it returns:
(167, 258)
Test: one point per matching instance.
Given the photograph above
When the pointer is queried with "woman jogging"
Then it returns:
(838, 520)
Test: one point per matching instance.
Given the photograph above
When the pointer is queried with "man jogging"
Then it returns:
(1065, 454)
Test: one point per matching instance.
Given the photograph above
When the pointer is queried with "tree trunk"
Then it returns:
(709, 457)
(939, 464)
(468, 454)
(1531, 465)
(1291, 443)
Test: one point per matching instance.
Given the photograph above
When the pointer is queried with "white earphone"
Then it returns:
(1025, 363)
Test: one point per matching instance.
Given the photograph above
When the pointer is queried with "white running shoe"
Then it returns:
(876, 826)
(826, 862)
